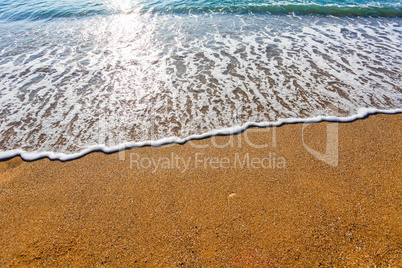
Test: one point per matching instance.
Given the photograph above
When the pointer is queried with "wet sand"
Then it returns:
(218, 202)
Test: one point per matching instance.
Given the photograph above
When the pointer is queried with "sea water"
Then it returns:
(77, 76)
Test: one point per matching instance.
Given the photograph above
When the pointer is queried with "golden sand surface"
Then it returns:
(234, 204)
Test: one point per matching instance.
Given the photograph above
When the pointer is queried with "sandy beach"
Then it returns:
(316, 195)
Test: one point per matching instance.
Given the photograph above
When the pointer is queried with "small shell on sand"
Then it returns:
(232, 195)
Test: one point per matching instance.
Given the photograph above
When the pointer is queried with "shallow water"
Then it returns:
(125, 72)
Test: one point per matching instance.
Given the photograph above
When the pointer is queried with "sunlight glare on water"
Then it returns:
(123, 72)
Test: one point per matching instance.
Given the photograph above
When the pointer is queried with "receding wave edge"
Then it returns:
(32, 156)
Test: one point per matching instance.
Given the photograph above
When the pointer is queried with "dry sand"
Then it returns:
(99, 211)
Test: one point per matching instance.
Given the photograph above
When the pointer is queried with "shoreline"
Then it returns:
(361, 113)
(296, 195)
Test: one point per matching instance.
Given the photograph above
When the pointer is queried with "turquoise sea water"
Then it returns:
(82, 75)
(49, 9)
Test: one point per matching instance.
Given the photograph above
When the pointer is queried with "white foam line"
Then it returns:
(30, 156)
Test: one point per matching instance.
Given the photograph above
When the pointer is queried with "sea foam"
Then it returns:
(31, 156)
(120, 80)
